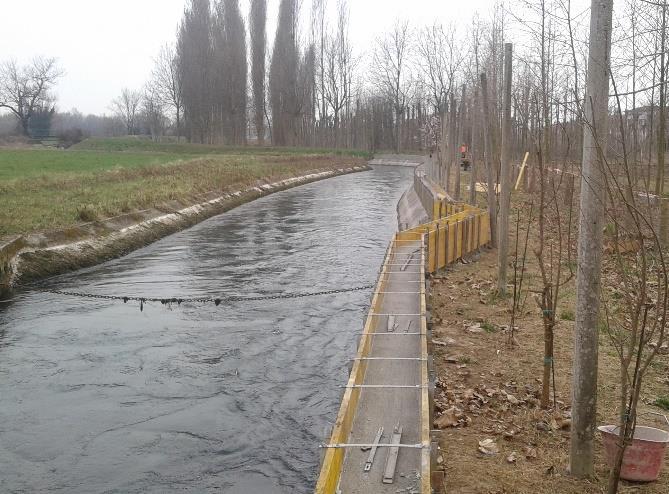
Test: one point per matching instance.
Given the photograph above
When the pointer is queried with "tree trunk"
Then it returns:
(584, 385)
(25, 126)
(474, 149)
(443, 151)
(450, 171)
(398, 131)
(661, 131)
(662, 118)
(461, 133)
(487, 153)
(505, 176)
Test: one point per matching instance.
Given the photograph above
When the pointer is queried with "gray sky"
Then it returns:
(104, 46)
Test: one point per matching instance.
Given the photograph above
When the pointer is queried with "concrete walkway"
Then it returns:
(396, 337)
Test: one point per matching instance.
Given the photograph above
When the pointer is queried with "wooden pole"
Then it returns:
(505, 178)
(591, 225)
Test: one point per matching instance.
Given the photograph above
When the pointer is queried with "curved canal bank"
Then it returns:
(36, 256)
(103, 398)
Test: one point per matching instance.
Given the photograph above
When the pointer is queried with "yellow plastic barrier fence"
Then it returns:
(456, 229)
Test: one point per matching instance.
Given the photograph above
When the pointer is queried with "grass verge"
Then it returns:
(99, 178)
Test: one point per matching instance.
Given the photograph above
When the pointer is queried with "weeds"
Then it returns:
(567, 315)
(488, 327)
(662, 402)
(87, 213)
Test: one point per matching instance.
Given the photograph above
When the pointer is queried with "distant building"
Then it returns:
(642, 115)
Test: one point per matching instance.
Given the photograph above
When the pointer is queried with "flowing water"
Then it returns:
(96, 396)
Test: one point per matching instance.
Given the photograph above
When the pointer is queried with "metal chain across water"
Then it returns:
(203, 300)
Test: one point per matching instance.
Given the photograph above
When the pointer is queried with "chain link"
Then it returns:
(203, 300)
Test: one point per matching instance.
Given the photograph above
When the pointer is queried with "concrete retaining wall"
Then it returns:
(8, 251)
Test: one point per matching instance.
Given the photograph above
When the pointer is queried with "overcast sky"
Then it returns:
(104, 46)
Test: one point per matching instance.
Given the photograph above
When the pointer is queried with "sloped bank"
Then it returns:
(37, 256)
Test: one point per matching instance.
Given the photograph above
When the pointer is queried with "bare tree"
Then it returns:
(24, 90)
(391, 72)
(166, 83)
(318, 13)
(153, 112)
(126, 108)
(339, 66)
(257, 24)
(439, 58)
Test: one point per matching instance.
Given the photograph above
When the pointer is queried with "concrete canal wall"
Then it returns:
(8, 251)
(390, 387)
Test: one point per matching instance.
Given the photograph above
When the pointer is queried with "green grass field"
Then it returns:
(133, 144)
(43, 189)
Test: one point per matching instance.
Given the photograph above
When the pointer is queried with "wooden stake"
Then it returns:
(522, 169)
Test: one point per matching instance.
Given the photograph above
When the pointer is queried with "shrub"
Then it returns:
(87, 212)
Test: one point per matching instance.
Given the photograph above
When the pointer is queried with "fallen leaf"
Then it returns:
(488, 447)
(447, 419)
(564, 424)
(509, 434)
(530, 453)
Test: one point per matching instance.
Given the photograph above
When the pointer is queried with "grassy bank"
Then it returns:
(47, 189)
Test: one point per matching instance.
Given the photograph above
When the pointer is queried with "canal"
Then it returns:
(96, 396)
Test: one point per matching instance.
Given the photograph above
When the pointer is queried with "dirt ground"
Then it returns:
(488, 389)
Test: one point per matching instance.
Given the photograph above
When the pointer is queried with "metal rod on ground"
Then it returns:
(372, 453)
(393, 453)
(406, 263)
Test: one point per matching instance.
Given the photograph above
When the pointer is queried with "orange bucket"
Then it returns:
(643, 457)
